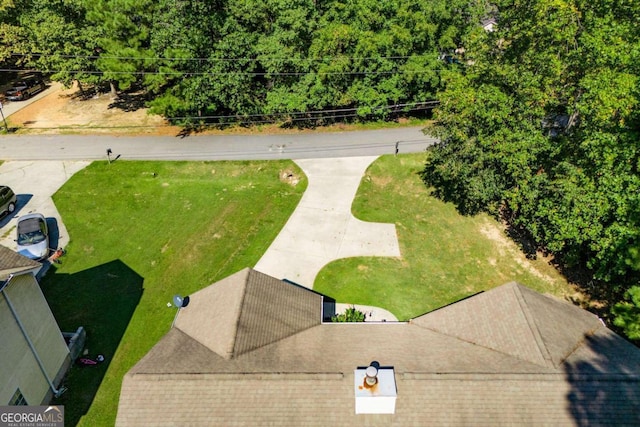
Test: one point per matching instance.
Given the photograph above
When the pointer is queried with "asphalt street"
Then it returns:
(215, 147)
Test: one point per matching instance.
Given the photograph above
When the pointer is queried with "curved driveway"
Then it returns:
(322, 229)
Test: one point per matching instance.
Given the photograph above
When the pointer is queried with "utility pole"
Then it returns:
(3, 119)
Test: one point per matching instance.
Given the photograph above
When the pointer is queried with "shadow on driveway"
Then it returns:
(21, 202)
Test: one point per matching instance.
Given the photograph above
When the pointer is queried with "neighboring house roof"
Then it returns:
(489, 24)
(251, 350)
(12, 262)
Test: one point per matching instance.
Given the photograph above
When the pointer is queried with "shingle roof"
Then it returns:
(237, 314)
(12, 262)
(515, 320)
(327, 400)
(449, 369)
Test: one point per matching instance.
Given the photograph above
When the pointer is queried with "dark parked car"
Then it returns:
(25, 88)
(7, 200)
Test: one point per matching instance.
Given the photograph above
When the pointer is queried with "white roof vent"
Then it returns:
(375, 390)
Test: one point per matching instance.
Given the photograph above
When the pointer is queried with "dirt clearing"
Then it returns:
(66, 111)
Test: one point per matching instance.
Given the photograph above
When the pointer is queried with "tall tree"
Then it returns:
(123, 39)
(542, 126)
(286, 56)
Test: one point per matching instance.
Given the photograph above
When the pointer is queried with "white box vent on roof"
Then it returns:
(375, 390)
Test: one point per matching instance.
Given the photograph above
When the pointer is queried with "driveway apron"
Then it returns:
(34, 182)
(322, 229)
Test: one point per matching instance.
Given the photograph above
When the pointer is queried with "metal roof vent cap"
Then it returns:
(371, 376)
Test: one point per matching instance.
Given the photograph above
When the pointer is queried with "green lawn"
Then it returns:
(445, 256)
(142, 232)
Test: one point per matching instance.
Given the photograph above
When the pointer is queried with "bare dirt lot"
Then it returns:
(68, 111)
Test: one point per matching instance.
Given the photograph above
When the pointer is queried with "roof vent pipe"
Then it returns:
(371, 376)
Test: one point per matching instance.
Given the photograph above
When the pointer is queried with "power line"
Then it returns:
(226, 73)
(236, 120)
(298, 113)
(223, 59)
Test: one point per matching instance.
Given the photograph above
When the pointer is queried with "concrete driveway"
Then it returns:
(322, 229)
(10, 107)
(35, 182)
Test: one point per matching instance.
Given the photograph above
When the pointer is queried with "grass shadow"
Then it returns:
(103, 300)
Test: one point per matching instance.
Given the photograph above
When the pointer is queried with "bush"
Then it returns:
(350, 315)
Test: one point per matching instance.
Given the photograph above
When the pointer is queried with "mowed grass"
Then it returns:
(142, 232)
(445, 256)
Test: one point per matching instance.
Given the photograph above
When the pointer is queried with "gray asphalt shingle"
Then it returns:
(454, 366)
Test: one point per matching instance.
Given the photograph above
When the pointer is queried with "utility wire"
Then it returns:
(297, 113)
(233, 120)
(227, 73)
(223, 59)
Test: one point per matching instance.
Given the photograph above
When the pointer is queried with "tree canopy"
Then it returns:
(540, 125)
(219, 60)
(538, 119)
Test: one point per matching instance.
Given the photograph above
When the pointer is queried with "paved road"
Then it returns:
(215, 147)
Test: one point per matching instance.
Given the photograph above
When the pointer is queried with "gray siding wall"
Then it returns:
(18, 365)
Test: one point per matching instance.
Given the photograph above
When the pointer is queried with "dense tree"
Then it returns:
(238, 45)
(49, 35)
(627, 311)
(10, 33)
(122, 40)
(287, 56)
(183, 81)
(254, 60)
(541, 125)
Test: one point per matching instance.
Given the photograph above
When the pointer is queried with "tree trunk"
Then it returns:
(114, 92)
(80, 88)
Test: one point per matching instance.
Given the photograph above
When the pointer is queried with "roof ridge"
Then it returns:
(478, 345)
(239, 312)
(533, 326)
